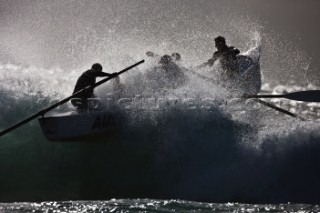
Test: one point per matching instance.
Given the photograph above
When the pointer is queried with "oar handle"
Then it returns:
(201, 65)
(279, 109)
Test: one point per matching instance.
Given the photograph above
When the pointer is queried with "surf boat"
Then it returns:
(72, 124)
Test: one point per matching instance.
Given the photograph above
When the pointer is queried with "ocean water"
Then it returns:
(147, 205)
(227, 151)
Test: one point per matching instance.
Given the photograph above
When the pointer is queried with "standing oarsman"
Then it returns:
(86, 79)
(227, 56)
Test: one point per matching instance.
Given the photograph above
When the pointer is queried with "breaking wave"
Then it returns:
(225, 151)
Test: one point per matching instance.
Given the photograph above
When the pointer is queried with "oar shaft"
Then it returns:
(118, 73)
(43, 111)
(20, 124)
(279, 109)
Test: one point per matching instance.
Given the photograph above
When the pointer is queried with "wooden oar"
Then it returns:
(306, 96)
(201, 65)
(279, 109)
(43, 111)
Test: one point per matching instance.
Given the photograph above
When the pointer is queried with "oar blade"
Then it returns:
(306, 96)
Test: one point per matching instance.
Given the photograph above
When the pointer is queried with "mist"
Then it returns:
(74, 34)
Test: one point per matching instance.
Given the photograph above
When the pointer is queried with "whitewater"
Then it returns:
(227, 151)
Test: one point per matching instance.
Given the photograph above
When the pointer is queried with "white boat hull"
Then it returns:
(250, 78)
(74, 125)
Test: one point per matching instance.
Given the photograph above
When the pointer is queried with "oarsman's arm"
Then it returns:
(209, 63)
(103, 74)
(234, 50)
(213, 59)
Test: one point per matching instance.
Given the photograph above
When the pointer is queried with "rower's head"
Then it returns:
(220, 42)
(97, 67)
(165, 59)
(176, 56)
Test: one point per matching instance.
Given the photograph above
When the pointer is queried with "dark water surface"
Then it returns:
(146, 205)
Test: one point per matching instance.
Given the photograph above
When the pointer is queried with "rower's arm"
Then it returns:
(235, 50)
(213, 59)
(103, 74)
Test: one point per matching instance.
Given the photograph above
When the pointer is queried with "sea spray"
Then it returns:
(179, 148)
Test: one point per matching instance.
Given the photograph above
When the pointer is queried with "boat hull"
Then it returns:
(250, 79)
(73, 125)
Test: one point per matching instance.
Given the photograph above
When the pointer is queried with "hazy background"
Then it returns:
(73, 34)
